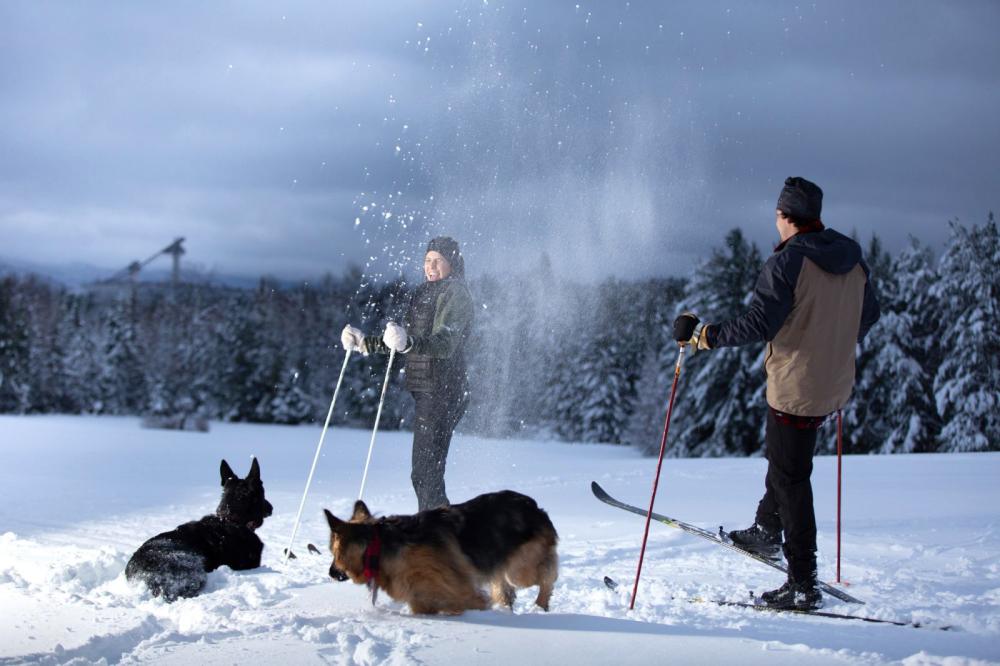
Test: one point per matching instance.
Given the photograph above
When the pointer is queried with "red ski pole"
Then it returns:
(840, 446)
(659, 463)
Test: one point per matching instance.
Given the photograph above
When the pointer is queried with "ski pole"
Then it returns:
(840, 447)
(659, 463)
(378, 415)
(319, 447)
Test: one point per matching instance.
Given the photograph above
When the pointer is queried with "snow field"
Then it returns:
(920, 543)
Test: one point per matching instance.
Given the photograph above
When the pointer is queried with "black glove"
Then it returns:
(684, 327)
(688, 330)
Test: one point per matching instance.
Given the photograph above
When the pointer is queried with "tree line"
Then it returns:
(547, 357)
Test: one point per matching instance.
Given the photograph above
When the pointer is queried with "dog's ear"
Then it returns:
(226, 472)
(361, 512)
(254, 474)
(334, 522)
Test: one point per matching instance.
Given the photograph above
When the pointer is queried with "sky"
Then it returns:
(614, 138)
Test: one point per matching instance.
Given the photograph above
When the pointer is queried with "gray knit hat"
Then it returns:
(447, 247)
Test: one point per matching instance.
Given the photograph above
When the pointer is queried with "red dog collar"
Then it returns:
(371, 559)
(372, 553)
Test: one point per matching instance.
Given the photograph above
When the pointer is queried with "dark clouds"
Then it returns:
(619, 138)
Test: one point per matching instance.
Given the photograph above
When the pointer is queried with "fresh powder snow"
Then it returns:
(921, 543)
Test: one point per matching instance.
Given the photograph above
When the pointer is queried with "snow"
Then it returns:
(921, 542)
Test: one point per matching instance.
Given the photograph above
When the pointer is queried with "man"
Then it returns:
(812, 303)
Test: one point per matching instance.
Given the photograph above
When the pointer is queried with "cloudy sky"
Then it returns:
(619, 138)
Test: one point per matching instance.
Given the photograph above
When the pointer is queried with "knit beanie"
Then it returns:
(447, 247)
(801, 198)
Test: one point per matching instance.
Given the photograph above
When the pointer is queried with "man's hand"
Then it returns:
(352, 339)
(688, 330)
(395, 337)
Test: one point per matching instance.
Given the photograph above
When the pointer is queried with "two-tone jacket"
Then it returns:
(438, 323)
(812, 303)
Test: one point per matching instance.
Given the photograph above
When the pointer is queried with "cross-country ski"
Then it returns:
(717, 538)
(612, 584)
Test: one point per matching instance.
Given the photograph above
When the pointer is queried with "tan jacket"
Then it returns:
(813, 302)
(810, 362)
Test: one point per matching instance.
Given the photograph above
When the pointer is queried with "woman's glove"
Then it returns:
(395, 337)
(352, 339)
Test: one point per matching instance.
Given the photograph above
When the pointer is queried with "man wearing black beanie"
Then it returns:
(812, 303)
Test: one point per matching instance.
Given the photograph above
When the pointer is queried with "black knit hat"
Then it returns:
(447, 247)
(801, 198)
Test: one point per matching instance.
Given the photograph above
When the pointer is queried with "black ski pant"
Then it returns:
(436, 416)
(788, 500)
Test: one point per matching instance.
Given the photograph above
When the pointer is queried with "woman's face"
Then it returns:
(436, 267)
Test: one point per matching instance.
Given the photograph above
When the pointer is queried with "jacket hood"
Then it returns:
(830, 250)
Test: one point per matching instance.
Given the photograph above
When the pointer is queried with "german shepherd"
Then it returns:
(438, 560)
(173, 564)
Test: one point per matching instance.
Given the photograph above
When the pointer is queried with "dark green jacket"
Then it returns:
(438, 323)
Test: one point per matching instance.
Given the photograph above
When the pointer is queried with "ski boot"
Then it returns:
(804, 596)
(756, 539)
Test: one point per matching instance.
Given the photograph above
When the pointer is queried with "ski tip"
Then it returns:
(313, 549)
(610, 583)
(289, 554)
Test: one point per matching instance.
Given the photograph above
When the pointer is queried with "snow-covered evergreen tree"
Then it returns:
(79, 337)
(901, 406)
(250, 374)
(967, 383)
(607, 388)
(720, 401)
(122, 380)
(610, 366)
(14, 350)
(655, 362)
(864, 430)
(290, 403)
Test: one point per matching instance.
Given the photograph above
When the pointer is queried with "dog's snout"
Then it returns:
(337, 574)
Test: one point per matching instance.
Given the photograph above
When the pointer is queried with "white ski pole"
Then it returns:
(319, 447)
(378, 416)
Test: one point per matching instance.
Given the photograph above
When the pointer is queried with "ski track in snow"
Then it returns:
(64, 598)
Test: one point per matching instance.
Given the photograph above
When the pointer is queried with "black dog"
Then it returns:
(174, 564)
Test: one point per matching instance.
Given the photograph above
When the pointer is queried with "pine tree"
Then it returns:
(902, 360)
(249, 375)
(655, 361)
(121, 379)
(864, 429)
(967, 383)
(290, 403)
(720, 404)
(610, 367)
(606, 388)
(79, 335)
(14, 350)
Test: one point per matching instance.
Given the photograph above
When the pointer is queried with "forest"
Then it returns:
(549, 357)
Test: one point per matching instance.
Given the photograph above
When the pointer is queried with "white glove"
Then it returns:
(395, 337)
(352, 339)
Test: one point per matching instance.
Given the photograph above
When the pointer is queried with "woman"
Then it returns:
(433, 338)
